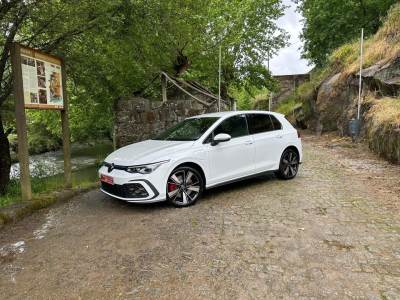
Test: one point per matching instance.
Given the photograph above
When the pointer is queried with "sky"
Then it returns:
(288, 60)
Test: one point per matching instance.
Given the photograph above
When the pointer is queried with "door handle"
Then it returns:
(279, 136)
(248, 142)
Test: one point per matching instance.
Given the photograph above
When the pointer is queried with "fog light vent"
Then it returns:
(135, 190)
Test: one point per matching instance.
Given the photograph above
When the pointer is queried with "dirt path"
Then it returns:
(333, 232)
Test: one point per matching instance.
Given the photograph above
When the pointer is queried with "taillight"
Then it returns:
(298, 134)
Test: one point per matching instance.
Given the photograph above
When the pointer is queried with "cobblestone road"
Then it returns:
(331, 233)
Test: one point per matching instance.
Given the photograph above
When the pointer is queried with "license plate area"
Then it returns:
(106, 179)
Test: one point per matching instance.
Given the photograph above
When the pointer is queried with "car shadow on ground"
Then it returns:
(208, 195)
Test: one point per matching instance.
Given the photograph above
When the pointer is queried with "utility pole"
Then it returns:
(360, 79)
(270, 101)
(270, 92)
(219, 79)
(354, 124)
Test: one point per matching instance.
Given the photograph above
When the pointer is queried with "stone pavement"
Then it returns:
(331, 233)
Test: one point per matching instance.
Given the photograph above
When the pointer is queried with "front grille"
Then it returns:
(129, 190)
(111, 167)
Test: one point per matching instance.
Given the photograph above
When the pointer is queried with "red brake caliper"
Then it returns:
(171, 186)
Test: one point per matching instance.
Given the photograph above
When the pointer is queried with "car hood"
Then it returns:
(145, 152)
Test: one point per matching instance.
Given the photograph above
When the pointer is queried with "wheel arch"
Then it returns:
(293, 147)
(195, 166)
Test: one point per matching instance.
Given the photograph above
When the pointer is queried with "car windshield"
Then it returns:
(187, 130)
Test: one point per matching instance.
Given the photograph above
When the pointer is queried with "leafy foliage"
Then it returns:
(329, 24)
(382, 47)
(117, 48)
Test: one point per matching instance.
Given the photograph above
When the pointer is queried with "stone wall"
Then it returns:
(287, 85)
(137, 119)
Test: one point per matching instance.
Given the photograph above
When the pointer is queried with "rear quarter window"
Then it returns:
(275, 122)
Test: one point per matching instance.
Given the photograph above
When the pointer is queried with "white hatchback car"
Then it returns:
(202, 152)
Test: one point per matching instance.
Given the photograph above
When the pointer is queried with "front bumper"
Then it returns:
(126, 184)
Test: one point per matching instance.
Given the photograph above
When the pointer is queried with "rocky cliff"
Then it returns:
(335, 104)
(336, 98)
(329, 100)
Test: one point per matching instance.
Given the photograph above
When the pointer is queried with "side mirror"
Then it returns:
(219, 138)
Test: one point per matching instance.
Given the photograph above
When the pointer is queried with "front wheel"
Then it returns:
(289, 164)
(184, 186)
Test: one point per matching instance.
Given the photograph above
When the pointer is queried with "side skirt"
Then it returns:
(241, 179)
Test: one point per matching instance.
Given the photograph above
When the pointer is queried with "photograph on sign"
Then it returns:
(42, 80)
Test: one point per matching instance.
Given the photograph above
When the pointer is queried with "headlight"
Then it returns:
(145, 169)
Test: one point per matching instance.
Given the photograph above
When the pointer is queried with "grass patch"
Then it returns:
(383, 127)
(385, 113)
(83, 178)
(288, 106)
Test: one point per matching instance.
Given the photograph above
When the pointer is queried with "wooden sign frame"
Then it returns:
(20, 106)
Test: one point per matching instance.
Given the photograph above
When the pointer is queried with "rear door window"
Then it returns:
(259, 123)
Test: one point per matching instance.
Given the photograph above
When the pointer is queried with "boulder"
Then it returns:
(336, 101)
(333, 98)
(337, 97)
(383, 77)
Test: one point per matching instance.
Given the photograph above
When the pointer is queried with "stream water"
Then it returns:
(85, 159)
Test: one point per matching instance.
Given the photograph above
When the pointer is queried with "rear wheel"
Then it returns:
(184, 186)
(289, 164)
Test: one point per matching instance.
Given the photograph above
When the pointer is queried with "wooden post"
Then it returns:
(23, 154)
(65, 131)
(164, 88)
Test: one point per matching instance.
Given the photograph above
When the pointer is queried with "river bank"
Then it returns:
(48, 175)
(52, 162)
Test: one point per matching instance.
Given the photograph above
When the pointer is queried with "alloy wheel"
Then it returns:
(289, 164)
(184, 187)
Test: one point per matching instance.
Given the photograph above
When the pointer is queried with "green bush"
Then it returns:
(344, 55)
(289, 106)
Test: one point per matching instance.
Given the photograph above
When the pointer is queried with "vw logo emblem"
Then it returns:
(110, 168)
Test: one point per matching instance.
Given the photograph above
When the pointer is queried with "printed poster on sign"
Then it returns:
(42, 80)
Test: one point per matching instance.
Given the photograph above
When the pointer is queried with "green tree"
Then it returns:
(47, 25)
(329, 24)
(116, 48)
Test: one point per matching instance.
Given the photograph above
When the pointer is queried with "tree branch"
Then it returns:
(69, 34)
(10, 39)
(7, 6)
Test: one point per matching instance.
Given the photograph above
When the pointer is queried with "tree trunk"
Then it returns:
(5, 159)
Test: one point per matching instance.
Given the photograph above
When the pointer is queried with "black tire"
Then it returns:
(289, 164)
(185, 186)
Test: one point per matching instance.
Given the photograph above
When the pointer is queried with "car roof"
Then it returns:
(237, 112)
